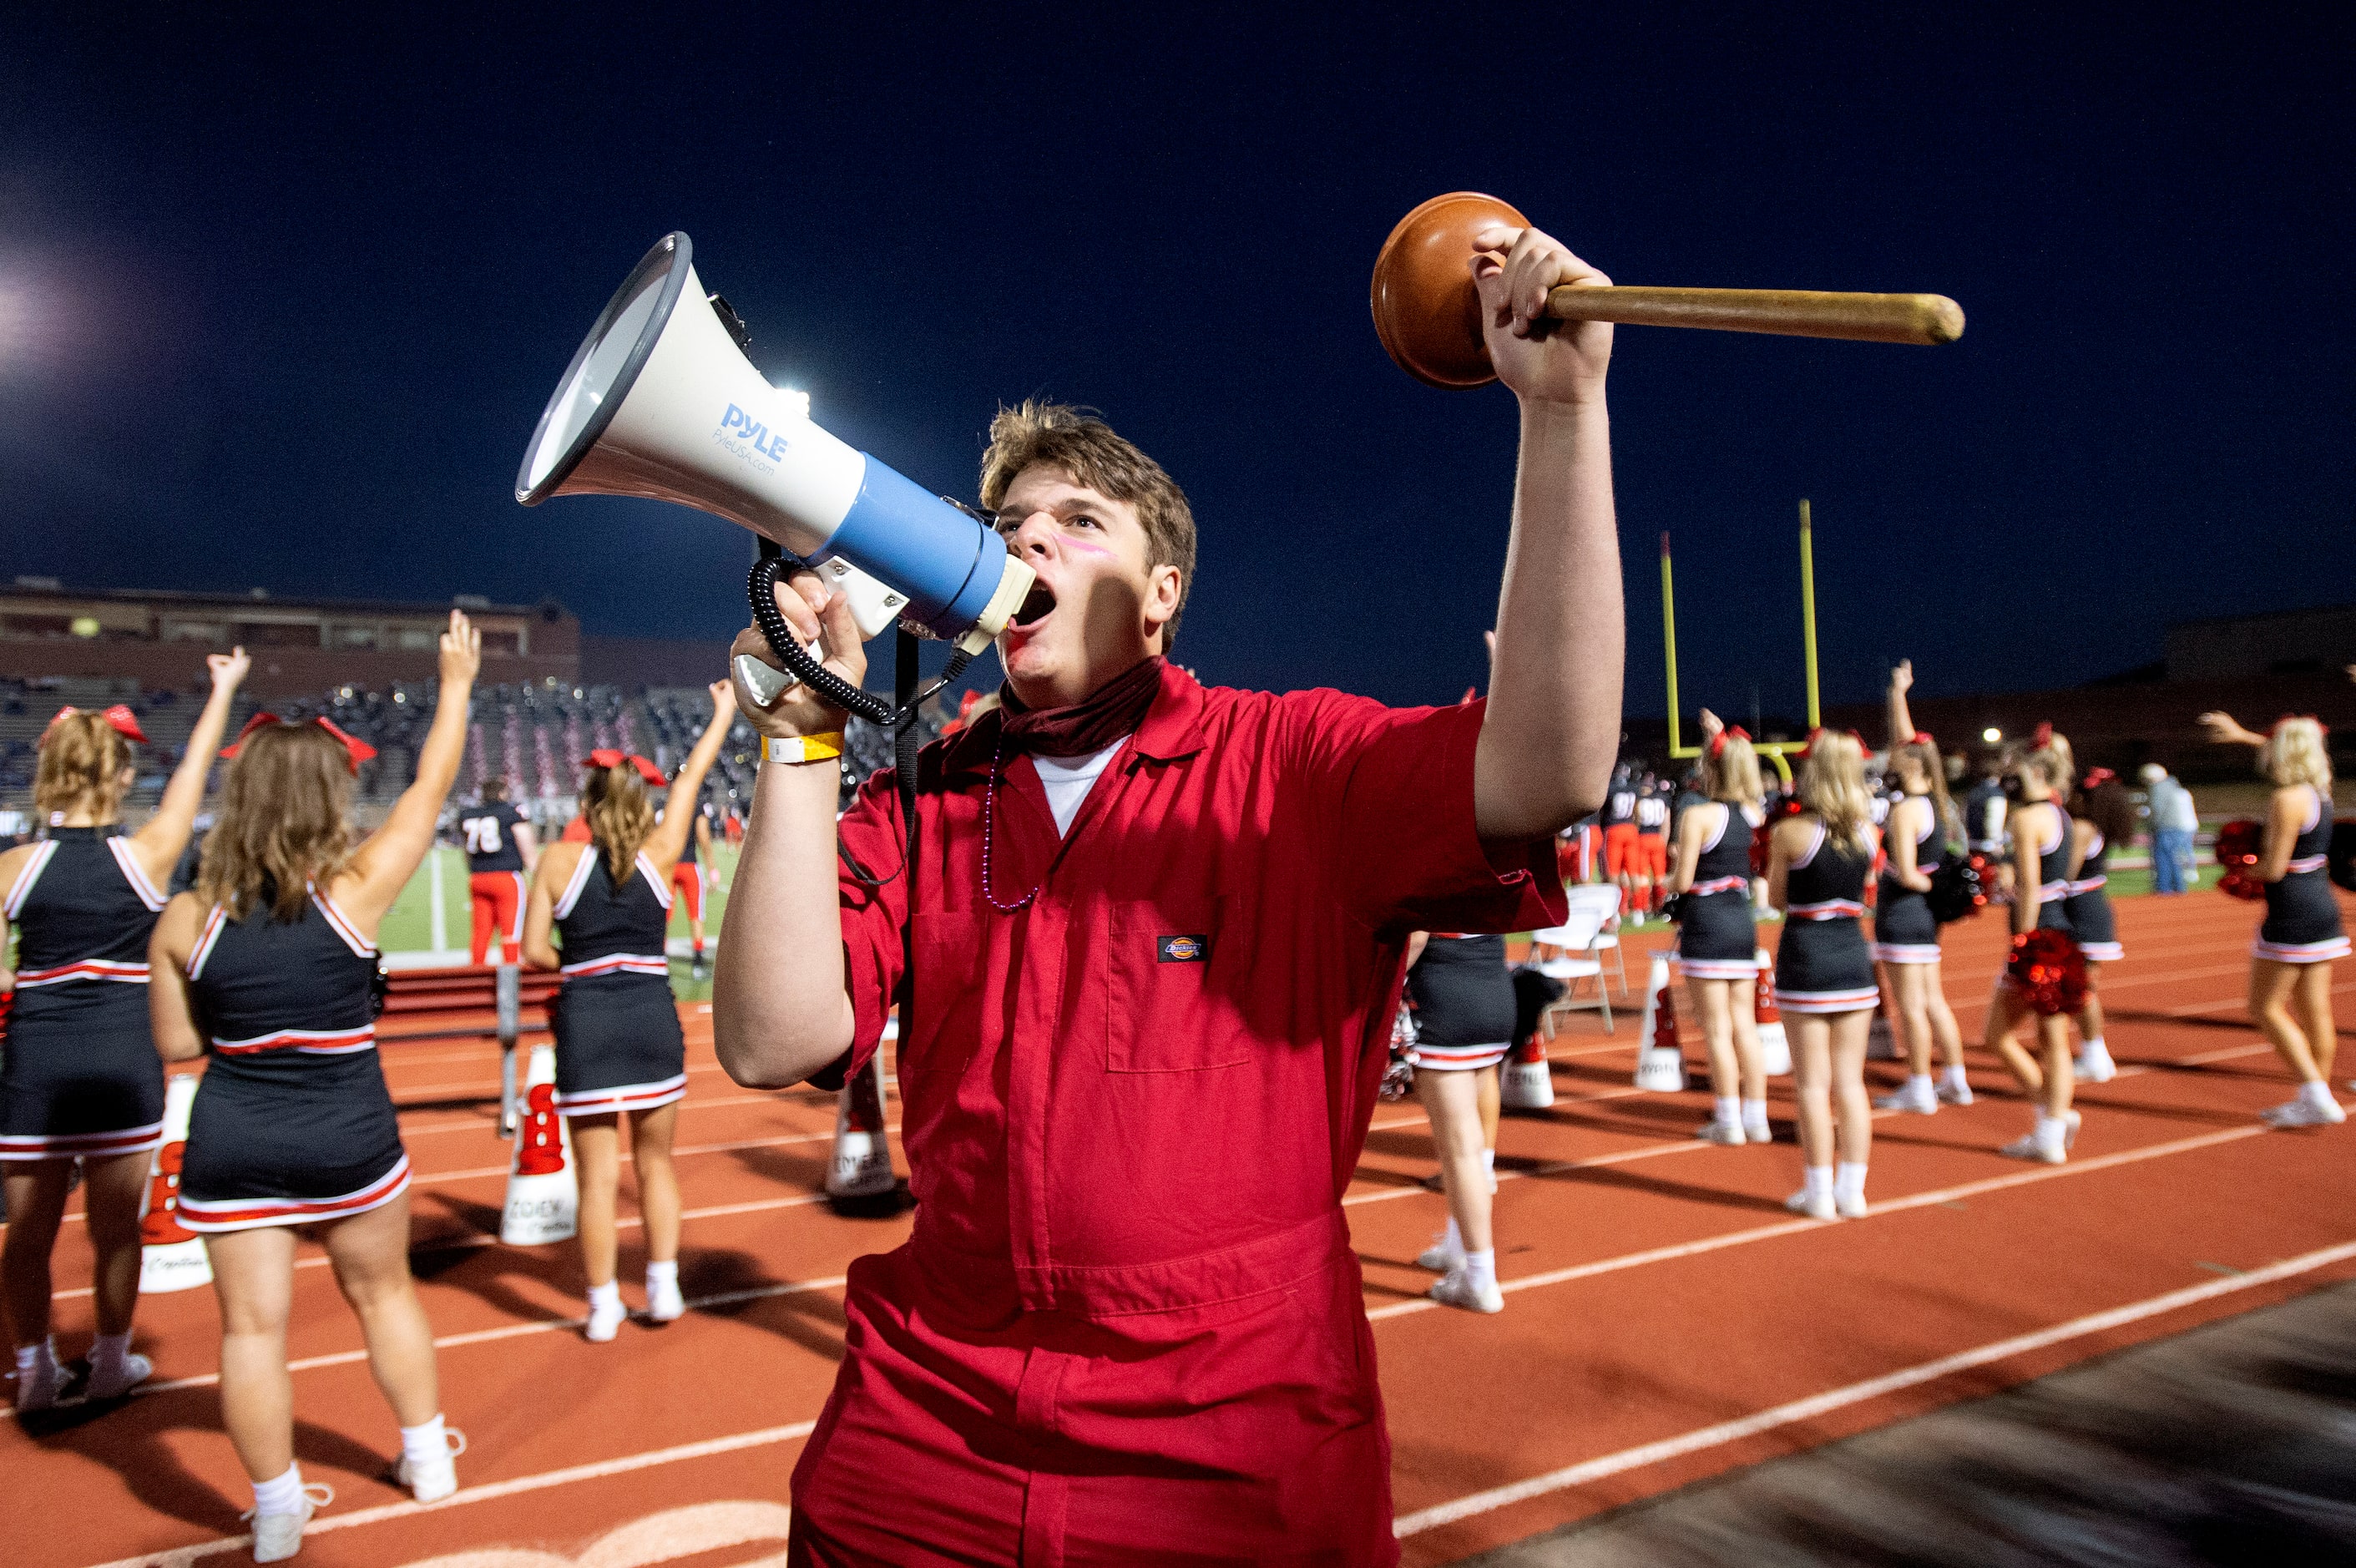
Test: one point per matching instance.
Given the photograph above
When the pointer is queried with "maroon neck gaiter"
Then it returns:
(1113, 710)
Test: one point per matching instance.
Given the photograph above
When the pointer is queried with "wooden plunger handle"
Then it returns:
(1927, 318)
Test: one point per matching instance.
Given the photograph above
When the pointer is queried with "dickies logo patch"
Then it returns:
(1182, 950)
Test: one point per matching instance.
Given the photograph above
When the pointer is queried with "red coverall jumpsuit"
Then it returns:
(1128, 1326)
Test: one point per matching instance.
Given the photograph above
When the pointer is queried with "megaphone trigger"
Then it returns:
(764, 682)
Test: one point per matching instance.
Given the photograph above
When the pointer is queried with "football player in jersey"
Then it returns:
(500, 849)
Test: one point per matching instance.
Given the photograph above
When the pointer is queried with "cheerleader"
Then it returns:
(618, 1046)
(2034, 778)
(82, 1080)
(1905, 933)
(2290, 964)
(1464, 1020)
(1817, 863)
(1717, 943)
(2101, 815)
(293, 1128)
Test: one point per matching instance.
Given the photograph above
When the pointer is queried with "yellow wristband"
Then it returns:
(802, 748)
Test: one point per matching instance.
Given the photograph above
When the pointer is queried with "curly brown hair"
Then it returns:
(282, 825)
(1035, 434)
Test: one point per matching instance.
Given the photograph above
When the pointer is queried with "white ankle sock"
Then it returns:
(426, 1442)
(2053, 1131)
(2094, 1045)
(1481, 1267)
(1919, 1083)
(607, 1295)
(1848, 1180)
(1489, 1159)
(2316, 1092)
(107, 1352)
(1819, 1183)
(1754, 1113)
(30, 1357)
(1452, 1239)
(1956, 1079)
(1730, 1111)
(283, 1495)
(664, 1273)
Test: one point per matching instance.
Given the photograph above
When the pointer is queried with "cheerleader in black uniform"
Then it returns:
(1905, 934)
(1817, 863)
(82, 1080)
(2101, 815)
(2035, 777)
(1717, 943)
(1464, 1024)
(2290, 963)
(618, 1046)
(270, 965)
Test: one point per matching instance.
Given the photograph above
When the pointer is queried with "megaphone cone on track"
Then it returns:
(171, 1256)
(1660, 1064)
(1527, 1082)
(544, 1191)
(859, 1176)
(1774, 1046)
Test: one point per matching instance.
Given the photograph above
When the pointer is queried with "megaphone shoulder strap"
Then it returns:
(905, 744)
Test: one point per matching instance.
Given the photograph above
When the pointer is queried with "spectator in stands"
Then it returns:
(2174, 818)
(500, 849)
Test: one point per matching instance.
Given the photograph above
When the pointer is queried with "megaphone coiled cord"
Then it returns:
(761, 589)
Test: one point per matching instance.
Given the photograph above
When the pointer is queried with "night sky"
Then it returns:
(280, 303)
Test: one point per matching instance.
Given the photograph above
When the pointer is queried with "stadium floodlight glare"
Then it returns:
(1991, 735)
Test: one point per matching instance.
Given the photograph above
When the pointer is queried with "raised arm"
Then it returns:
(680, 815)
(779, 1012)
(390, 854)
(1553, 719)
(2223, 731)
(1901, 721)
(159, 844)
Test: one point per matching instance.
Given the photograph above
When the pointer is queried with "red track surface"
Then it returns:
(1667, 1318)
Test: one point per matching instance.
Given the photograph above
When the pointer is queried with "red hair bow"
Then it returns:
(1922, 737)
(2095, 779)
(2279, 723)
(1718, 741)
(2042, 735)
(119, 718)
(607, 756)
(356, 750)
(1810, 744)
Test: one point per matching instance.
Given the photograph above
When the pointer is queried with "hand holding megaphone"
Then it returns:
(775, 703)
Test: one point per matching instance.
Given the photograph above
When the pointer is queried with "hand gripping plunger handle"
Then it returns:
(1925, 318)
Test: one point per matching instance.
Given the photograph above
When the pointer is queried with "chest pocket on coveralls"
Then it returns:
(949, 961)
(1172, 998)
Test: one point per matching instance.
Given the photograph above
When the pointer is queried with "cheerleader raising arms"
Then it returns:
(1817, 863)
(2034, 778)
(2290, 963)
(82, 1080)
(1905, 933)
(618, 1045)
(274, 950)
(1717, 943)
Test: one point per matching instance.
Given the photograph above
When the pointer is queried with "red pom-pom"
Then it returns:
(2049, 972)
(2239, 844)
(1789, 806)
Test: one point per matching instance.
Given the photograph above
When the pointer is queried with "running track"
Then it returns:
(1667, 1318)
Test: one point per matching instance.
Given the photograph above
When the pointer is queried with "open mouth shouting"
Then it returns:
(1036, 606)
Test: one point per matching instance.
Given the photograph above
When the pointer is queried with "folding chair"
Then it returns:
(1604, 898)
(1575, 958)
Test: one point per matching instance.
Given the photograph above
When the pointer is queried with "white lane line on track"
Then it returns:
(1856, 1394)
(1797, 1227)
(178, 1557)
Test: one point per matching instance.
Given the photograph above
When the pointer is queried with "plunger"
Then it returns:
(1428, 312)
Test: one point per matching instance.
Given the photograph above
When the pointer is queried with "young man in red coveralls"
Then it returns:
(1154, 964)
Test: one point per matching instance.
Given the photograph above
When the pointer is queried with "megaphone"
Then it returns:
(659, 401)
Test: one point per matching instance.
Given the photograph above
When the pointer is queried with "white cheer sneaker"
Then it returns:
(431, 1480)
(278, 1536)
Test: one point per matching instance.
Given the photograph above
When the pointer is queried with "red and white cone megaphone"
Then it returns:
(1527, 1082)
(1660, 1063)
(860, 1173)
(544, 1191)
(1774, 1046)
(171, 1256)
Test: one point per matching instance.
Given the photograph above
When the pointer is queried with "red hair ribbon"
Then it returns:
(356, 750)
(1718, 741)
(1810, 744)
(119, 718)
(1922, 737)
(2042, 735)
(2095, 779)
(607, 756)
(2279, 723)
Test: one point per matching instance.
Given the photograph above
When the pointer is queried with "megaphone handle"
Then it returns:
(761, 590)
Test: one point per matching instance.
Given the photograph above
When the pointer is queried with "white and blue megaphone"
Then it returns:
(661, 402)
